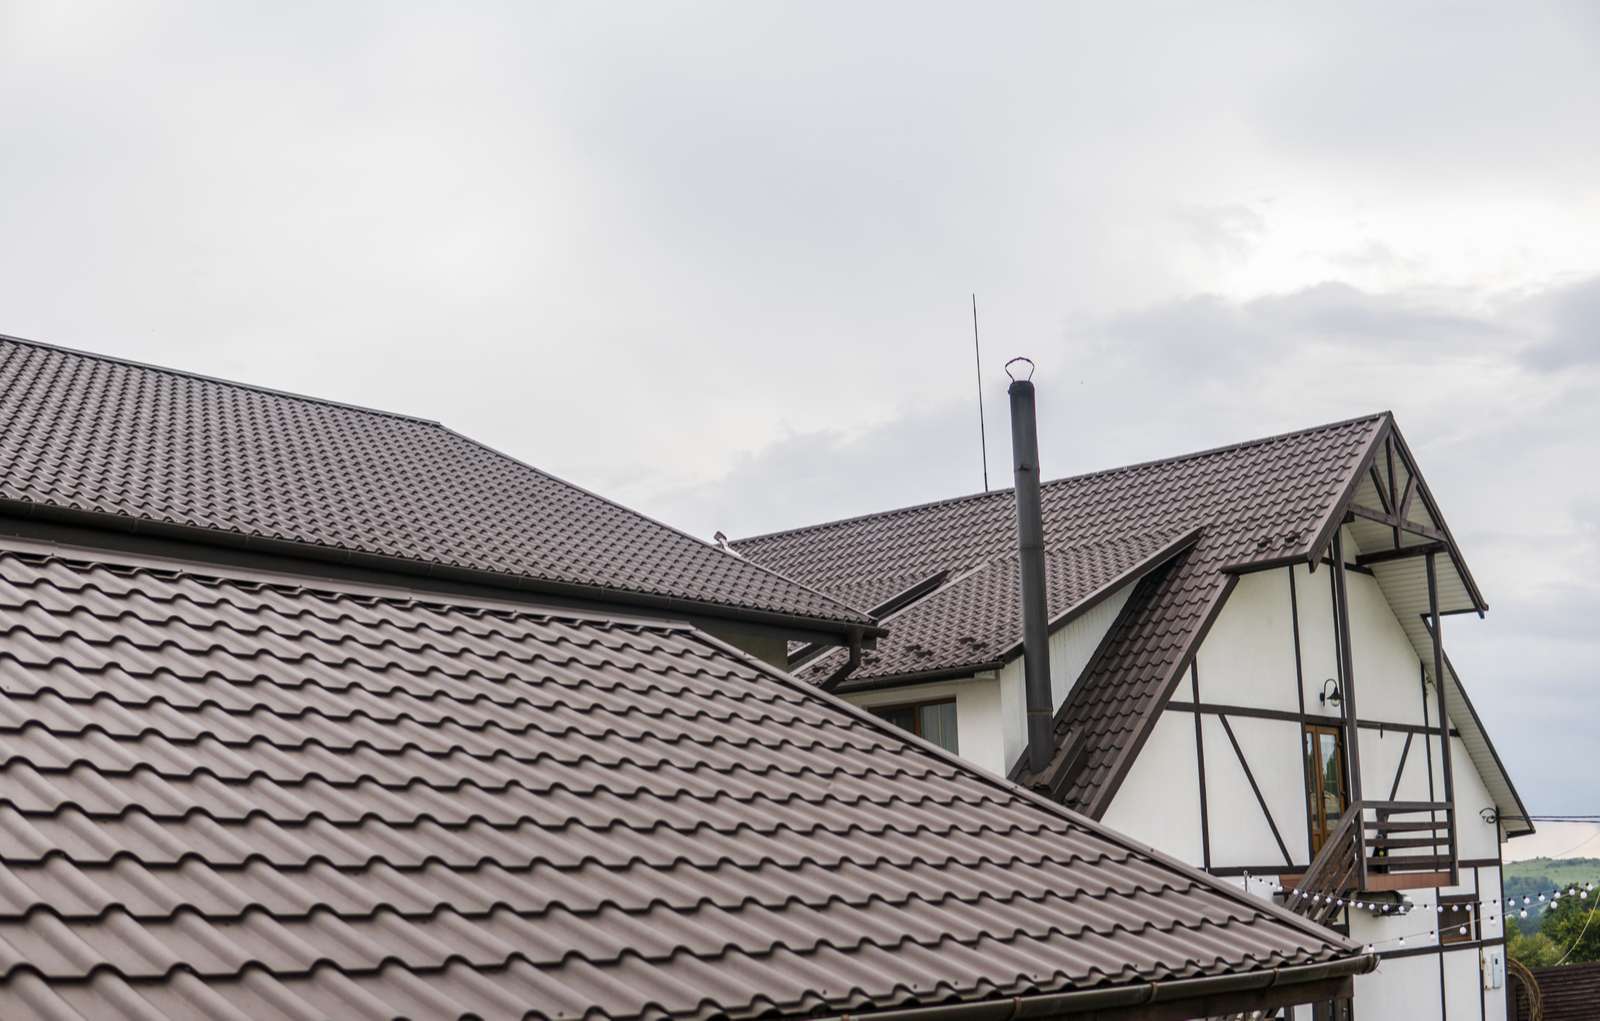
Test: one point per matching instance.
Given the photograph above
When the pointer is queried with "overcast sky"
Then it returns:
(714, 260)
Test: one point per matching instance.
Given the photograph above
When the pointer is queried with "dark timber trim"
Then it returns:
(1290, 716)
(1341, 605)
(1400, 770)
(1300, 698)
(1439, 686)
(1200, 770)
(1261, 800)
(1403, 553)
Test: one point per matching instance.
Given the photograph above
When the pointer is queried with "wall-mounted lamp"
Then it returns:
(1331, 696)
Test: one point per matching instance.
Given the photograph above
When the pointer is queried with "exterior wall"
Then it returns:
(979, 714)
(991, 716)
(1162, 775)
(1261, 668)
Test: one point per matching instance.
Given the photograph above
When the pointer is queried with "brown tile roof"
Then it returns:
(160, 449)
(975, 619)
(1259, 501)
(229, 796)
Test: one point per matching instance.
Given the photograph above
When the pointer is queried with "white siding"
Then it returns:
(1402, 989)
(1248, 656)
(1463, 989)
(1164, 775)
(1388, 674)
(1475, 838)
(1239, 831)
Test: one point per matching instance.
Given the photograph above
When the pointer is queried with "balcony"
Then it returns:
(1378, 847)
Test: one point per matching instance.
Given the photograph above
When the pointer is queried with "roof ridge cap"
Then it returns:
(1097, 473)
(218, 380)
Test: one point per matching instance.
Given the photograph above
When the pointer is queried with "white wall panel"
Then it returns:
(1239, 831)
(1463, 988)
(1248, 655)
(1475, 838)
(1402, 989)
(1493, 924)
(1159, 801)
(1387, 672)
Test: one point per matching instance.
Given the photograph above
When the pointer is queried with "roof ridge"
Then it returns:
(1137, 465)
(674, 529)
(234, 383)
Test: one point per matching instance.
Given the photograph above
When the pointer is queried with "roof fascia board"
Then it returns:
(1130, 751)
(1335, 516)
(225, 550)
(1236, 894)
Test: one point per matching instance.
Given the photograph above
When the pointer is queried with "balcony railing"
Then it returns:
(1377, 846)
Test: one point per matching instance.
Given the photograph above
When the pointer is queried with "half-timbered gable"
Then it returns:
(1243, 659)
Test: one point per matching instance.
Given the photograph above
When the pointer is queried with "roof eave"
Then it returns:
(120, 524)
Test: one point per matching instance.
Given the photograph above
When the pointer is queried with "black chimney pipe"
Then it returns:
(1030, 557)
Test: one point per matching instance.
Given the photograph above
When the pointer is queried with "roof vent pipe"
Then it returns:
(1030, 557)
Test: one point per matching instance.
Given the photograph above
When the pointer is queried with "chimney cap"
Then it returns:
(1014, 361)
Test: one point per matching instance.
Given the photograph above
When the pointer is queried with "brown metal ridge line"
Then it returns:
(1047, 483)
(1077, 1001)
(148, 367)
(859, 617)
(1200, 878)
(1335, 516)
(943, 673)
(107, 522)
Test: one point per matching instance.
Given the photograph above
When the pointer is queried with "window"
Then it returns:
(931, 721)
(1325, 788)
(1458, 921)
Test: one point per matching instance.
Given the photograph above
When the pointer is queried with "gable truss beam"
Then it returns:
(1403, 553)
(1356, 510)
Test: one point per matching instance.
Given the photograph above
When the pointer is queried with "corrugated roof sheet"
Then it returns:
(1256, 501)
(230, 797)
(147, 445)
(1571, 992)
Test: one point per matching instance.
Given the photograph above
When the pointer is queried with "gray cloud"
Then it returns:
(714, 258)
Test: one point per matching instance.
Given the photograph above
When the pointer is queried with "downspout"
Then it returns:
(848, 667)
(1030, 558)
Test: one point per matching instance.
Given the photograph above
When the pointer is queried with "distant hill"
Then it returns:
(1541, 875)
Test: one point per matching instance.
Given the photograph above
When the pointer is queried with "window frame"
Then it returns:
(916, 707)
(1450, 934)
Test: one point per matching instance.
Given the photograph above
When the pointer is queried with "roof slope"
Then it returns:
(1261, 501)
(974, 621)
(232, 797)
(154, 447)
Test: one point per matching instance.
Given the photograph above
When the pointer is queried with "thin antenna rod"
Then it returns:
(977, 358)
